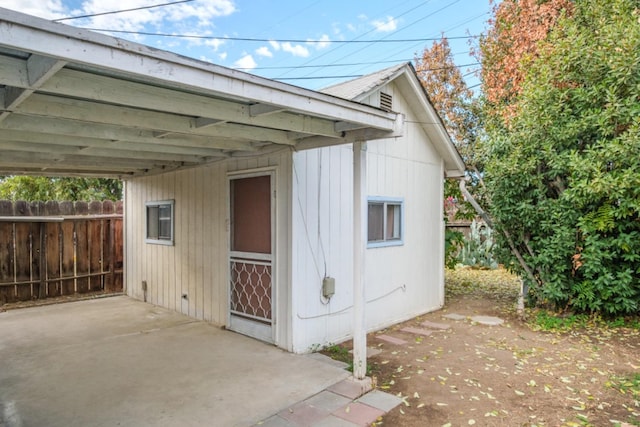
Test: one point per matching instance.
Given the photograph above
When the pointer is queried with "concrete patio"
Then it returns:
(118, 361)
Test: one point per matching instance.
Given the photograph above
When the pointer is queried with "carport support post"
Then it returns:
(359, 247)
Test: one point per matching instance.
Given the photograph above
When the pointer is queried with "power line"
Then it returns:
(358, 37)
(352, 76)
(121, 11)
(360, 75)
(359, 63)
(295, 67)
(251, 39)
(407, 26)
(424, 70)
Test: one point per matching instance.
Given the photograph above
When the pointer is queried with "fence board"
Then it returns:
(95, 256)
(43, 254)
(68, 252)
(6, 261)
(81, 257)
(52, 256)
(22, 261)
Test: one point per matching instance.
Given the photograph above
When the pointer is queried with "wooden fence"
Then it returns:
(59, 248)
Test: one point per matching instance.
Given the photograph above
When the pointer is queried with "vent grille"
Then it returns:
(386, 101)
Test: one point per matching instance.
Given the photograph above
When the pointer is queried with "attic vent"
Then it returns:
(386, 101)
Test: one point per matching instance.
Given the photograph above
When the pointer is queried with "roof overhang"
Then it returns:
(78, 103)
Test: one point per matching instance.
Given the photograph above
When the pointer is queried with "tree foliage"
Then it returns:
(40, 188)
(511, 44)
(562, 173)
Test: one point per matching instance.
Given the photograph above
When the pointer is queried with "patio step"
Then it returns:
(348, 403)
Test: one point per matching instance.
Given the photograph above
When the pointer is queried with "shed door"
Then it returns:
(251, 258)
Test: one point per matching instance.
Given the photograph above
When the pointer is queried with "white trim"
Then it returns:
(250, 256)
(391, 242)
(235, 323)
(158, 203)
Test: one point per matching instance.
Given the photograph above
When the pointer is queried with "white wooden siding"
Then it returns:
(197, 264)
(401, 281)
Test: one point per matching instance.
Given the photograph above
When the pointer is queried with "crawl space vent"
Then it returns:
(386, 101)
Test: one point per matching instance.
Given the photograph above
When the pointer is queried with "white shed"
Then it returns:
(241, 191)
(259, 243)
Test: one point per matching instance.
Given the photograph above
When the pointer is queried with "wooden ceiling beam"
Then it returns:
(68, 140)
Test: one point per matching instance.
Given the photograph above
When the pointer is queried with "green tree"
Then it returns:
(562, 171)
(39, 188)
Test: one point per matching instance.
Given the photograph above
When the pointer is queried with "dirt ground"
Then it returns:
(507, 375)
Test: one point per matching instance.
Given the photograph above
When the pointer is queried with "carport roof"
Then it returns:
(78, 103)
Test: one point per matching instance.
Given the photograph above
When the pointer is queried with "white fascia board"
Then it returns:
(35, 35)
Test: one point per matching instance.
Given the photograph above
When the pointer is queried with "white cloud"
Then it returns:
(264, 51)
(183, 17)
(214, 43)
(49, 9)
(322, 43)
(203, 10)
(385, 26)
(246, 62)
(297, 50)
(274, 44)
(223, 55)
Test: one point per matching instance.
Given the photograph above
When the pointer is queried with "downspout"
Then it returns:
(469, 197)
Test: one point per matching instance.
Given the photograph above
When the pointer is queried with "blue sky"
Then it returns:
(299, 42)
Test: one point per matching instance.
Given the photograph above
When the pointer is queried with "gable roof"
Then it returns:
(78, 103)
(361, 87)
(404, 75)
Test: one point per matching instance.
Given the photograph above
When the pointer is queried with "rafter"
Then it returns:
(66, 140)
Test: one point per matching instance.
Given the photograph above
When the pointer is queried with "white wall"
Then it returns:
(401, 281)
(197, 265)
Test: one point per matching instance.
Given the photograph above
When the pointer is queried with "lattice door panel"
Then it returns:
(251, 289)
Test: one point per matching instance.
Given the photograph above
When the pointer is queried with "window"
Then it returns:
(385, 222)
(160, 222)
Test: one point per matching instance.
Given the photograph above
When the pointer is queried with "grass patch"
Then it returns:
(342, 354)
(549, 321)
(626, 385)
(338, 352)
